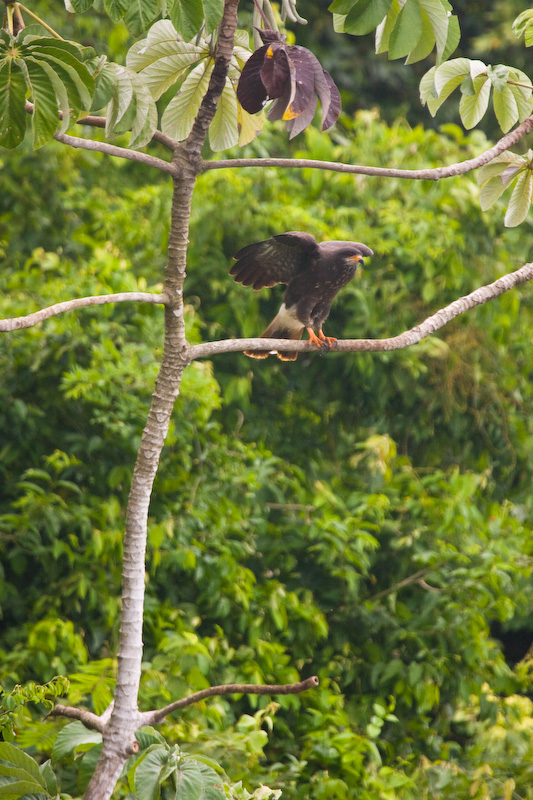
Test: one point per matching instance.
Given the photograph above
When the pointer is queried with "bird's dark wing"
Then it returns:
(276, 260)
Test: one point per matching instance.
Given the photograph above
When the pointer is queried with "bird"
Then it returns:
(314, 273)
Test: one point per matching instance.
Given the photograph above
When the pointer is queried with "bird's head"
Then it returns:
(352, 252)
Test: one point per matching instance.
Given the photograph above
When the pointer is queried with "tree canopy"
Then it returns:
(362, 517)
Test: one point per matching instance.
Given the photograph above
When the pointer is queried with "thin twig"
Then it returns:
(414, 578)
(153, 717)
(16, 323)
(433, 174)
(406, 339)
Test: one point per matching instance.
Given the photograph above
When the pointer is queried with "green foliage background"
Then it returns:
(363, 517)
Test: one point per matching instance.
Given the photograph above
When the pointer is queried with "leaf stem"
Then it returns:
(9, 16)
(39, 20)
(520, 83)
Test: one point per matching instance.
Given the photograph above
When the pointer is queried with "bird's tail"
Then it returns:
(283, 326)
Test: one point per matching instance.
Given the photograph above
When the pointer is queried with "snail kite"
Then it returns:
(313, 272)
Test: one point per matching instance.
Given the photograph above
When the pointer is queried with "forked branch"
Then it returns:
(94, 722)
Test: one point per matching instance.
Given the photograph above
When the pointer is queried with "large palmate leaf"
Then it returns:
(195, 779)
(404, 28)
(128, 104)
(58, 81)
(181, 112)
(188, 16)
(511, 93)
(496, 176)
(224, 129)
(163, 58)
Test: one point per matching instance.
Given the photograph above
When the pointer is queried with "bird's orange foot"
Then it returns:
(314, 339)
(326, 340)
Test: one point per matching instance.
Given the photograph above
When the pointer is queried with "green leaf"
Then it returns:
(366, 15)
(213, 10)
(407, 30)
(505, 107)
(498, 75)
(439, 22)
(342, 6)
(522, 95)
(147, 772)
(520, 200)
(13, 117)
(473, 107)
(45, 119)
(454, 70)
(195, 781)
(88, 764)
(106, 82)
(224, 130)
(187, 17)
(72, 736)
(140, 14)
(20, 760)
(386, 26)
(497, 166)
(147, 736)
(145, 121)
(454, 37)
(162, 58)
(17, 789)
(80, 6)
(490, 192)
(179, 115)
(116, 8)
(121, 99)
(49, 777)
(426, 43)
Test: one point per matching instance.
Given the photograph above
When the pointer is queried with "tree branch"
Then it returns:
(90, 720)
(113, 150)
(154, 717)
(433, 174)
(16, 323)
(406, 339)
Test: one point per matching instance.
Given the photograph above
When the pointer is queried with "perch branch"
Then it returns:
(90, 720)
(406, 339)
(113, 150)
(16, 323)
(154, 717)
(433, 174)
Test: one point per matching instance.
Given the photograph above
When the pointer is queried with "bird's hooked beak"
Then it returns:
(359, 260)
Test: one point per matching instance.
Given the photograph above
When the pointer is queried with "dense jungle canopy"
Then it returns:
(363, 517)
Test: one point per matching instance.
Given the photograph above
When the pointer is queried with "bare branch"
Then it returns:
(406, 339)
(113, 150)
(434, 174)
(153, 717)
(16, 323)
(90, 720)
